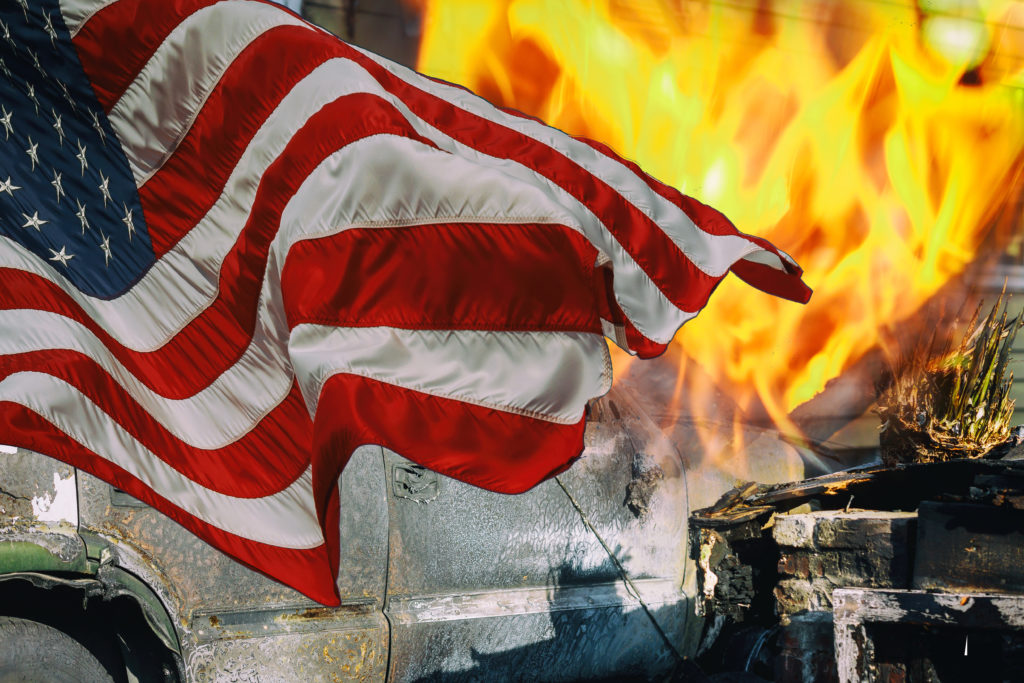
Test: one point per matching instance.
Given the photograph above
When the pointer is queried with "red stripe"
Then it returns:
(610, 310)
(263, 461)
(177, 197)
(310, 572)
(787, 285)
(220, 334)
(686, 285)
(137, 28)
(498, 451)
(766, 279)
(137, 31)
(446, 276)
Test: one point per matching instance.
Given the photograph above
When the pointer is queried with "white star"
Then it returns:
(58, 126)
(35, 61)
(34, 221)
(32, 95)
(104, 187)
(61, 256)
(7, 33)
(3, 67)
(8, 187)
(81, 156)
(128, 221)
(67, 94)
(57, 185)
(51, 30)
(33, 153)
(24, 7)
(5, 121)
(80, 214)
(99, 128)
(105, 246)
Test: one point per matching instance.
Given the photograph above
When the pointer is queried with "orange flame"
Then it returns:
(877, 142)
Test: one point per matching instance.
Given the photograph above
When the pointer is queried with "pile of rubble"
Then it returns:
(922, 581)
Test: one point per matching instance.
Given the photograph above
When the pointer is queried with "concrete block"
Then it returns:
(795, 531)
(838, 529)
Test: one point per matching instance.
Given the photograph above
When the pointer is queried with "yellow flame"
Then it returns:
(877, 142)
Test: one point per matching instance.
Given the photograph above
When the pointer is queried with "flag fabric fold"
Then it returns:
(233, 248)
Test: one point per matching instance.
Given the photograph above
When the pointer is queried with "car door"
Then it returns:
(579, 578)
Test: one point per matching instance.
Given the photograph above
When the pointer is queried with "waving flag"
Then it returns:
(233, 248)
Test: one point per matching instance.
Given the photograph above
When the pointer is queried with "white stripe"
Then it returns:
(287, 519)
(406, 181)
(767, 258)
(713, 254)
(78, 12)
(545, 375)
(158, 108)
(213, 418)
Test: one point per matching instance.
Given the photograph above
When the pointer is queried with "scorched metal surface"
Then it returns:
(584, 576)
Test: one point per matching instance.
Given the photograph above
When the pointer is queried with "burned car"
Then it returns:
(584, 577)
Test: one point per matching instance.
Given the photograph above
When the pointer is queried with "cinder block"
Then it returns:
(859, 548)
(795, 531)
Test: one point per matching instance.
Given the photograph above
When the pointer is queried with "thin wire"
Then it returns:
(625, 577)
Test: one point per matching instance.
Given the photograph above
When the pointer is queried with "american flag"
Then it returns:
(234, 248)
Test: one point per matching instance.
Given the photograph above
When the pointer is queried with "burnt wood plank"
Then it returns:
(963, 546)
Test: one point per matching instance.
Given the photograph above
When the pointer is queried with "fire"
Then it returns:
(879, 143)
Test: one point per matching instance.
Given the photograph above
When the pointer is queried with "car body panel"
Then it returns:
(584, 576)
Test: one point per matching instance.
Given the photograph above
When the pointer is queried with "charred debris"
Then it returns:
(771, 558)
(908, 570)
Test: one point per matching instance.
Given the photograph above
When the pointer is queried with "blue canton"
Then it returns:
(66, 191)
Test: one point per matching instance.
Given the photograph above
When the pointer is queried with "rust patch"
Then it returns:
(311, 613)
(214, 621)
(315, 613)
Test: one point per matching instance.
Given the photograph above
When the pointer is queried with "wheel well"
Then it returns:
(114, 630)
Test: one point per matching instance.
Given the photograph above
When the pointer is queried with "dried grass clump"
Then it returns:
(945, 403)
